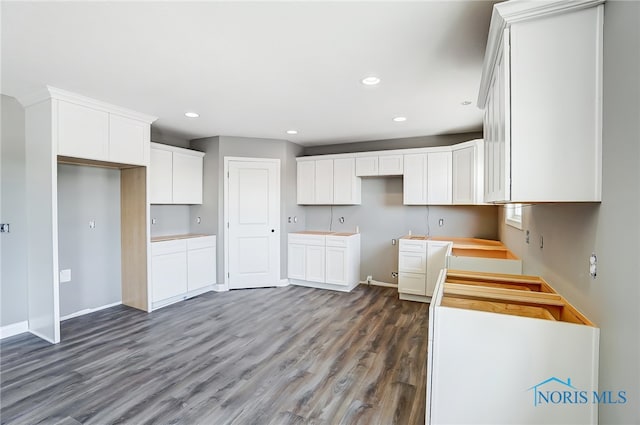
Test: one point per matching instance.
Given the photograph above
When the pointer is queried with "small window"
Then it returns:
(513, 215)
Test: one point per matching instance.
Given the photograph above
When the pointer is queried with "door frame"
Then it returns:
(227, 160)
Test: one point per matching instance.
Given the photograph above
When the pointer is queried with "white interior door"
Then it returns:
(253, 222)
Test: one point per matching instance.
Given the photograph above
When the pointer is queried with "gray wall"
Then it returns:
(403, 143)
(13, 261)
(611, 229)
(382, 217)
(216, 149)
(170, 219)
(93, 255)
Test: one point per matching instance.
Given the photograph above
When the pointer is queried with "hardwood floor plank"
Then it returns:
(288, 355)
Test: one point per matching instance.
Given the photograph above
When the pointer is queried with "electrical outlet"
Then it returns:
(198, 220)
(369, 279)
(92, 224)
(526, 237)
(4, 228)
(393, 241)
(65, 275)
(394, 275)
(441, 222)
(593, 265)
(341, 220)
(154, 221)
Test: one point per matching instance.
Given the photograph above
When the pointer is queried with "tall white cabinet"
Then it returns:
(65, 127)
(541, 91)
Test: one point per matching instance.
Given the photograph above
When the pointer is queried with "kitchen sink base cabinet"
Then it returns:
(505, 356)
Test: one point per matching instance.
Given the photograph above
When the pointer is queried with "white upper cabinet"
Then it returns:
(468, 173)
(328, 181)
(324, 181)
(390, 165)
(439, 178)
(306, 179)
(161, 177)
(97, 131)
(379, 164)
(367, 166)
(346, 189)
(427, 178)
(128, 140)
(414, 186)
(82, 132)
(541, 91)
(187, 178)
(175, 175)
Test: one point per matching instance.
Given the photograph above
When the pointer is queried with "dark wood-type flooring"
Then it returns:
(288, 355)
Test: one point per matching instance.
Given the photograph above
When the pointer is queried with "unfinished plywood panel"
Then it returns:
(134, 237)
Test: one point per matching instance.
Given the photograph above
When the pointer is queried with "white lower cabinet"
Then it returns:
(524, 356)
(419, 262)
(182, 268)
(324, 260)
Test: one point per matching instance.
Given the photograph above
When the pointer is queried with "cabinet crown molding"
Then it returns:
(50, 92)
(509, 12)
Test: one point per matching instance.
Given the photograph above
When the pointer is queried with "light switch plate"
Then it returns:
(65, 275)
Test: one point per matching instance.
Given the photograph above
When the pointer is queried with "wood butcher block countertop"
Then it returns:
(176, 237)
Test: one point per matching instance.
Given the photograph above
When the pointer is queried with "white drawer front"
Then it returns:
(414, 262)
(201, 242)
(167, 247)
(412, 283)
(314, 240)
(413, 245)
(340, 241)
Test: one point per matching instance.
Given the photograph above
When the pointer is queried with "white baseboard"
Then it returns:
(283, 282)
(378, 283)
(14, 329)
(88, 310)
(221, 287)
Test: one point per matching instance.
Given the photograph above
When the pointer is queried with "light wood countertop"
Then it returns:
(176, 237)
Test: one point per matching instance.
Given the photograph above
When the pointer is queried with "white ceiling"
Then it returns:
(257, 69)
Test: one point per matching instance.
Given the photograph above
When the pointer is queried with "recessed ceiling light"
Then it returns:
(370, 81)
(400, 119)
(465, 103)
(191, 115)
(292, 131)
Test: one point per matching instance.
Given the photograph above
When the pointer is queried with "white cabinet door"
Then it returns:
(82, 132)
(414, 186)
(367, 166)
(439, 178)
(324, 181)
(346, 186)
(296, 261)
(390, 165)
(315, 263)
(128, 140)
(160, 177)
(336, 261)
(201, 268)
(464, 176)
(436, 261)
(187, 179)
(169, 275)
(411, 283)
(306, 180)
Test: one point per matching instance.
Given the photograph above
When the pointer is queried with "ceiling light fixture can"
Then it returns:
(466, 103)
(400, 119)
(191, 115)
(370, 81)
(292, 131)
